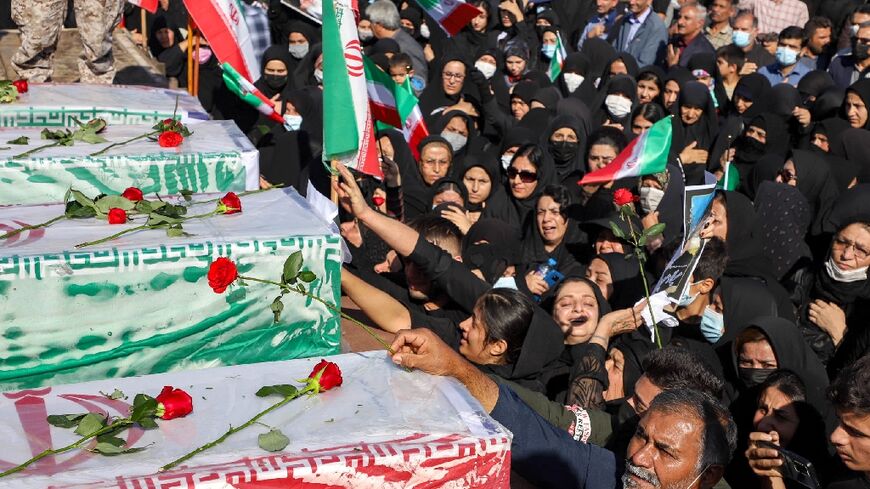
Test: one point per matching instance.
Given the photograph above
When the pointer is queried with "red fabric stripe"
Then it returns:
(385, 114)
(219, 35)
(149, 5)
(607, 173)
(459, 18)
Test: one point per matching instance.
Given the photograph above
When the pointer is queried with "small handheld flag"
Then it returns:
(645, 155)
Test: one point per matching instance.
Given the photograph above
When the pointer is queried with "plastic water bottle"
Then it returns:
(543, 271)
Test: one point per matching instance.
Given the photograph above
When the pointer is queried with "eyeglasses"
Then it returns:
(787, 176)
(841, 243)
(456, 76)
(525, 175)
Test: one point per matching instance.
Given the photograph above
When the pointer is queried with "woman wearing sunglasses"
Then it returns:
(531, 170)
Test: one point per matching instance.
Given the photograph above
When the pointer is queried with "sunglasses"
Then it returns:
(525, 175)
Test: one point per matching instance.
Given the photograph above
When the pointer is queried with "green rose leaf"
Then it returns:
(143, 406)
(116, 394)
(654, 230)
(307, 276)
(186, 194)
(148, 423)
(144, 207)
(617, 231)
(92, 138)
(642, 240)
(277, 306)
(90, 423)
(81, 198)
(112, 440)
(111, 201)
(273, 441)
(155, 219)
(74, 210)
(107, 448)
(19, 140)
(291, 267)
(65, 420)
(283, 390)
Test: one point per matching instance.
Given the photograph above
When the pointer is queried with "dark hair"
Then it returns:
(651, 111)
(719, 436)
(816, 23)
(861, 9)
(732, 55)
(744, 12)
(850, 391)
(678, 368)
(531, 151)
(449, 185)
(652, 76)
(437, 230)
(574, 280)
(609, 136)
(787, 382)
(401, 60)
(792, 32)
(560, 195)
(712, 262)
(506, 315)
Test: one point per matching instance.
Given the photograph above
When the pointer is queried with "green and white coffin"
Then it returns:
(217, 157)
(55, 105)
(141, 304)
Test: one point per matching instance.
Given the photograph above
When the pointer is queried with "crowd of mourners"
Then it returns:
(758, 375)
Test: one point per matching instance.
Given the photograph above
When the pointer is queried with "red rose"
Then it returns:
(117, 216)
(173, 403)
(168, 122)
(377, 200)
(20, 85)
(230, 204)
(623, 197)
(325, 376)
(133, 194)
(221, 274)
(169, 139)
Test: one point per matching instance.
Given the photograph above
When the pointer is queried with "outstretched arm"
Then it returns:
(388, 313)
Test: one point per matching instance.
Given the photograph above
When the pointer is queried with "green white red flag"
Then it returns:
(395, 105)
(451, 15)
(645, 155)
(249, 93)
(558, 59)
(222, 22)
(149, 5)
(730, 179)
(348, 134)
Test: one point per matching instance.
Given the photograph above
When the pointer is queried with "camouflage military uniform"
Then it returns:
(40, 22)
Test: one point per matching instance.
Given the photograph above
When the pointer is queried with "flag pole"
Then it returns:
(190, 58)
(196, 65)
(334, 177)
(144, 28)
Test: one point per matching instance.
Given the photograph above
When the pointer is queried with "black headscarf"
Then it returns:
(433, 96)
(752, 87)
(600, 54)
(702, 132)
(534, 253)
(828, 103)
(784, 217)
(497, 205)
(814, 84)
(622, 84)
(303, 76)
(627, 281)
(558, 150)
(834, 128)
(783, 100)
(707, 63)
(577, 63)
(743, 299)
(862, 89)
(161, 22)
(525, 208)
(855, 146)
(816, 183)
(851, 206)
(270, 88)
(681, 75)
(749, 153)
(491, 245)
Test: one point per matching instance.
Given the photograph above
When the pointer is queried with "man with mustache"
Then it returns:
(683, 441)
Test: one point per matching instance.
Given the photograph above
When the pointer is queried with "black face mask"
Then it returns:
(563, 151)
(275, 82)
(752, 377)
(861, 51)
(748, 149)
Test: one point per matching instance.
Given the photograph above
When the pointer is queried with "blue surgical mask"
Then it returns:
(786, 56)
(712, 325)
(687, 298)
(740, 38)
(292, 122)
(505, 283)
(549, 50)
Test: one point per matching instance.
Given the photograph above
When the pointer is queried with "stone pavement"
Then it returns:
(133, 65)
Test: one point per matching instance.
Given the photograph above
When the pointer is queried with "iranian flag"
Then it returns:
(223, 24)
(246, 91)
(646, 154)
(451, 15)
(730, 179)
(149, 5)
(558, 59)
(348, 135)
(395, 105)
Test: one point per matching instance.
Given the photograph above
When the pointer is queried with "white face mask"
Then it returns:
(573, 81)
(298, 51)
(292, 122)
(318, 75)
(650, 197)
(506, 161)
(365, 35)
(457, 141)
(845, 276)
(617, 105)
(505, 283)
(488, 69)
(424, 30)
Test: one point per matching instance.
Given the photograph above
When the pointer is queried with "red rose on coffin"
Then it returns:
(230, 204)
(221, 274)
(623, 197)
(133, 194)
(20, 85)
(325, 376)
(117, 216)
(173, 403)
(169, 139)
